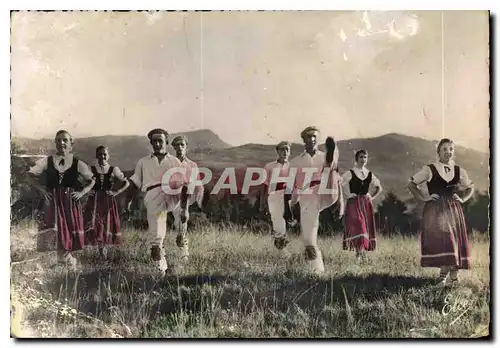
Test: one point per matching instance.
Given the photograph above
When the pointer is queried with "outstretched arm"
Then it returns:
(131, 192)
(135, 185)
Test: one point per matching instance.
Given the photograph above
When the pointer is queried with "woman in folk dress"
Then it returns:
(359, 233)
(62, 225)
(443, 232)
(102, 219)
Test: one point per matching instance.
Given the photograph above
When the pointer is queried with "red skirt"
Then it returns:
(443, 235)
(102, 221)
(359, 232)
(61, 226)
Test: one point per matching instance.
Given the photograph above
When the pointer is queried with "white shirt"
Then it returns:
(425, 174)
(41, 166)
(317, 161)
(271, 166)
(148, 171)
(361, 174)
(117, 173)
(190, 166)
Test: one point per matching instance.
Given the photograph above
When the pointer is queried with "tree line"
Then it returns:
(393, 216)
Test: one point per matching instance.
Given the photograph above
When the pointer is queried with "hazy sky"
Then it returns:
(252, 76)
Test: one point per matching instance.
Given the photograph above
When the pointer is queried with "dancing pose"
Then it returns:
(278, 200)
(443, 232)
(62, 225)
(148, 177)
(359, 233)
(101, 215)
(317, 186)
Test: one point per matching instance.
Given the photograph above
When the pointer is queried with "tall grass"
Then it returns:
(237, 285)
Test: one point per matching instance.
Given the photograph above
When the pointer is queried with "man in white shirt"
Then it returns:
(149, 178)
(181, 212)
(278, 200)
(317, 187)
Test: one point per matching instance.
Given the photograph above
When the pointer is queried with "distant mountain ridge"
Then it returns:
(392, 157)
(125, 150)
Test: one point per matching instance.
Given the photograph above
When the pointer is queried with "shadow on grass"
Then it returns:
(96, 292)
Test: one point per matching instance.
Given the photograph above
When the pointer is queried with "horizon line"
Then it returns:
(248, 143)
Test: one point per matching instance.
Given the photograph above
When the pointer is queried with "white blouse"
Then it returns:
(41, 166)
(117, 173)
(361, 174)
(447, 172)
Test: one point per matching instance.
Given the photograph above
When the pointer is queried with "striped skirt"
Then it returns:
(359, 232)
(61, 226)
(443, 235)
(102, 220)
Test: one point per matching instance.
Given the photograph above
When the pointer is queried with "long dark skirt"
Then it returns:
(102, 220)
(443, 235)
(61, 227)
(359, 232)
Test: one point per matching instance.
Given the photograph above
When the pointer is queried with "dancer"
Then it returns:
(62, 225)
(181, 212)
(317, 186)
(277, 200)
(101, 215)
(148, 177)
(443, 232)
(359, 233)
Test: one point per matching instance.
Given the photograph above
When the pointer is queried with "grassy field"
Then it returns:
(237, 285)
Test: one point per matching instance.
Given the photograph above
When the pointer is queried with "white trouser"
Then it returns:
(311, 204)
(178, 225)
(195, 197)
(158, 204)
(275, 201)
(309, 218)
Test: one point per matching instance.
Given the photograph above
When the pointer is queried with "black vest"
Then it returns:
(358, 186)
(437, 185)
(69, 178)
(103, 182)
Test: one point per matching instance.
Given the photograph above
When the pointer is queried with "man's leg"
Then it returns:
(181, 228)
(275, 203)
(309, 220)
(157, 228)
(287, 209)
